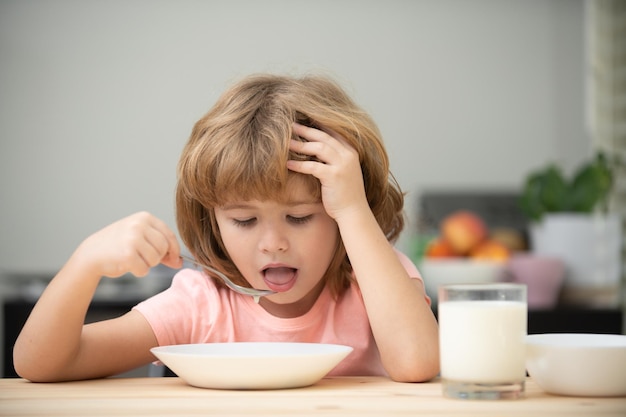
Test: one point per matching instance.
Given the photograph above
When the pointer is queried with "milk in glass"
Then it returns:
(482, 341)
(482, 331)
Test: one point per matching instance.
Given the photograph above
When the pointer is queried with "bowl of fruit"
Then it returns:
(464, 252)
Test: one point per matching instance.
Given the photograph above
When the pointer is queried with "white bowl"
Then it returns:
(587, 365)
(436, 272)
(251, 365)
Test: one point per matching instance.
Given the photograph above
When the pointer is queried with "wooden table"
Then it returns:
(356, 396)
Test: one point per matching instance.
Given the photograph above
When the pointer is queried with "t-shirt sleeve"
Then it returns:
(413, 272)
(173, 312)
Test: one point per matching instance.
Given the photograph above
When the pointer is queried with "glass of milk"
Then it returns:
(482, 328)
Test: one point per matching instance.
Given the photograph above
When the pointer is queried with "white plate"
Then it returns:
(251, 365)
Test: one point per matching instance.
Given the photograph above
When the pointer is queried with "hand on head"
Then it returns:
(337, 167)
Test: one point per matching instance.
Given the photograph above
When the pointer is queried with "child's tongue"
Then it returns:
(280, 279)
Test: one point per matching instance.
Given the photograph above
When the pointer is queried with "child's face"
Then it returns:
(286, 247)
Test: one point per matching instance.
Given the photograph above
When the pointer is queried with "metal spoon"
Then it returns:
(237, 288)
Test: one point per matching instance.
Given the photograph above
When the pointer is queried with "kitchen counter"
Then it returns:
(337, 396)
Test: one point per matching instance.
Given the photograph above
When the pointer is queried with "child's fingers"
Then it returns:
(166, 244)
(313, 135)
(173, 261)
(306, 167)
(152, 250)
(322, 152)
(326, 145)
(310, 149)
(151, 242)
(322, 135)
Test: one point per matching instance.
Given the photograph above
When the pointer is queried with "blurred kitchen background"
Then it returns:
(98, 98)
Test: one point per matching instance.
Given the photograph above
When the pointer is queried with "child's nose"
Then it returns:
(273, 240)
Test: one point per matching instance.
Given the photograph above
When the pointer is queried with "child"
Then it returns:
(283, 185)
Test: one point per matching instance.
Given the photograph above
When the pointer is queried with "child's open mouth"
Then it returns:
(280, 279)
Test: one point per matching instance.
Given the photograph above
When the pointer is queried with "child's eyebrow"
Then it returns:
(243, 206)
(237, 206)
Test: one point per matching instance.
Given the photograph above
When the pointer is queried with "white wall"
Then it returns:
(98, 97)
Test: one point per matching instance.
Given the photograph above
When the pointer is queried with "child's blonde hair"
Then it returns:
(239, 150)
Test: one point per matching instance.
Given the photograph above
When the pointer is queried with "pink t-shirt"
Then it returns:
(195, 310)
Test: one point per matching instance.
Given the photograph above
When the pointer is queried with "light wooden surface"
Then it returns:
(356, 396)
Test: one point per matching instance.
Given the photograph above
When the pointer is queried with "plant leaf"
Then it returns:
(591, 185)
(554, 190)
(530, 200)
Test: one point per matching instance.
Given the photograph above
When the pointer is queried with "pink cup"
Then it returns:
(543, 276)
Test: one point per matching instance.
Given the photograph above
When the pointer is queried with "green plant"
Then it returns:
(547, 190)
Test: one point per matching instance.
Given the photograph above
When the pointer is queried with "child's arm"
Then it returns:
(403, 324)
(55, 345)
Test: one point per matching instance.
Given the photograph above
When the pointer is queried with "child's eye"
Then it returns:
(244, 222)
(300, 220)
